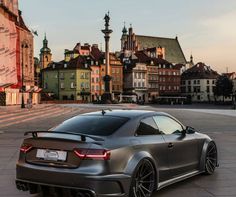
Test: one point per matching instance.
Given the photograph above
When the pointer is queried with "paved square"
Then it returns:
(219, 124)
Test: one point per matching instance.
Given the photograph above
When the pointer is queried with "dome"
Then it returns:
(45, 50)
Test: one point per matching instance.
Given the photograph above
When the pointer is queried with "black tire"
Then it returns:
(143, 180)
(211, 158)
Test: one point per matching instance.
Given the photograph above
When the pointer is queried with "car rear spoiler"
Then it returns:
(82, 135)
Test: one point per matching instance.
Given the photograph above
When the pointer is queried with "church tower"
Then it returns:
(123, 37)
(45, 54)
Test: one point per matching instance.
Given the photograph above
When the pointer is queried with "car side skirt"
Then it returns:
(177, 179)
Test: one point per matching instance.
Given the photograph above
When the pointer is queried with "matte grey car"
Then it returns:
(113, 153)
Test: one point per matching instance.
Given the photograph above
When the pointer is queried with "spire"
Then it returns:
(130, 29)
(191, 58)
(124, 30)
(45, 48)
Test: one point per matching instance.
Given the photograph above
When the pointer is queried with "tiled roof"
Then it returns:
(230, 75)
(96, 53)
(179, 66)
(173, 51)
(79, 62)
(200, 71)
(144, 58)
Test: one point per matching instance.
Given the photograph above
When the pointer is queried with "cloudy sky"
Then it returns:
(205, 28)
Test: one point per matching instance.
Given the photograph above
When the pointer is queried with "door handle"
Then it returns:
(170, 145)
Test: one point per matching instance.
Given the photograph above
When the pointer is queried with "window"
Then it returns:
(86, 75)
(82, 75)
(139, 75)
(147, 126)
(189, 89)
(72, 76)
(62, 86)
(61, 76)
(92, 80)
(168, 125)
(72, 85)
(87, 85)
(92, 125)
(97, 79)
(82, 85)
(208, 82)
(92, 87)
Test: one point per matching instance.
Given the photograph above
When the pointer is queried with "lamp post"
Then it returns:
(23, 46)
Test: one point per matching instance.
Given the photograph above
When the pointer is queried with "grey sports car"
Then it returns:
(113, 153)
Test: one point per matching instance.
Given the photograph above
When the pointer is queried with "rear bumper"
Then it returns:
(101, 186)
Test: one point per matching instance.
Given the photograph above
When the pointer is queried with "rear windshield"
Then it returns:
(92, 125)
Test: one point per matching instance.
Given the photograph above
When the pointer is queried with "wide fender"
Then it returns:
(136, 159)
(203, 155)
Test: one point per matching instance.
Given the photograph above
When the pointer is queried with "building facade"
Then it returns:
(116, 73)
(169, 47)
(16, 55)
(68, 80)
(198, 83)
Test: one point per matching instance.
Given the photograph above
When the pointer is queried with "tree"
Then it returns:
(224, 87)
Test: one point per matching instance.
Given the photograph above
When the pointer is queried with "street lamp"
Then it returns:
(24, 45)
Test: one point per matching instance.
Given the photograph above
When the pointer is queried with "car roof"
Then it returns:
(127, 113)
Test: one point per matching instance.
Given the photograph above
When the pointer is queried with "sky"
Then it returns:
(205, 28)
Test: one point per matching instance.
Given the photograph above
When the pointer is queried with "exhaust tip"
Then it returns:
(22, 186)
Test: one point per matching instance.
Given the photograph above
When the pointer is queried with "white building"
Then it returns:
(198, 83)
(135, 81)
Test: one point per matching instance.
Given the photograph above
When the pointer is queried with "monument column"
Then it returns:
(106, 97)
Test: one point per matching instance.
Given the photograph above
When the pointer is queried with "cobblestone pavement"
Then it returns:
(220, 126)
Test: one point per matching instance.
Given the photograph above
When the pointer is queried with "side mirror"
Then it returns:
(190, 130)
(183, 132)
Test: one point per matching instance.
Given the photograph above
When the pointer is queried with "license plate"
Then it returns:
(52, 155)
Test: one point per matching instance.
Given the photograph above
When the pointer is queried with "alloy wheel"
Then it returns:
(211, 158)
(144, 180)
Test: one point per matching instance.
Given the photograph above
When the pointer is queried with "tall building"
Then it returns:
(16, 56)
(170, 47)
(45, 54)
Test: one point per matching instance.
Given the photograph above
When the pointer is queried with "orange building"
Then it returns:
(116, 72)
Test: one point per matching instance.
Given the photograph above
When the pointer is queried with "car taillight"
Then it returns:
(25, 148)
(99, 154)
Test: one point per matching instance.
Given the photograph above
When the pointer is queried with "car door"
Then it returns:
(182, 148)
(153, 142)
